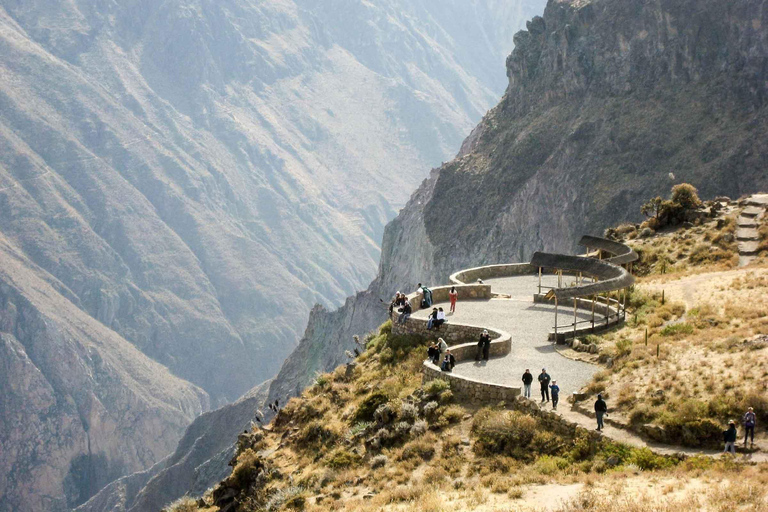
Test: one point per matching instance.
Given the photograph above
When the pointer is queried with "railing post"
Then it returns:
(575, 303)
(555, 318)
(594, 298)
(607, 308)
(539, 280)
(559, 278)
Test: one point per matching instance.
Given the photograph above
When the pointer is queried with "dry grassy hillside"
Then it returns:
(370, 436)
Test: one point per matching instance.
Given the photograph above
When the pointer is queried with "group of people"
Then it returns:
(730, 435)
(440, 355)
(402, 305)
(549, 387)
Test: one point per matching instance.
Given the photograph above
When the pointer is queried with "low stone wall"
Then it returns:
(471, 275)
(473, 390)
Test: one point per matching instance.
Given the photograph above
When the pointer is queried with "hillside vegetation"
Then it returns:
(372, 436)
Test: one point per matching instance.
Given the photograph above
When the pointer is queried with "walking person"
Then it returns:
(555, 394)
(729, 436)
(454, 296)
(483, 346)
(544, 380)
(600, 409)
(750, 420)
(527, 379)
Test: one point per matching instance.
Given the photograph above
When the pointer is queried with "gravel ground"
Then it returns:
(529, 325)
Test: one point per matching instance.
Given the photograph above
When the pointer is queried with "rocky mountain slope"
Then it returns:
(606, 98)
(199, 461)
(190, 177)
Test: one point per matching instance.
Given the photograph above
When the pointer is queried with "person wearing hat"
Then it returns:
(527, 379)
(750, 420)
(600, 409)
(729, 436)
(544, 380)
(483, 346)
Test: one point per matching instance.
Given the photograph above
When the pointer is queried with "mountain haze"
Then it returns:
(605, 99)
(181, 181)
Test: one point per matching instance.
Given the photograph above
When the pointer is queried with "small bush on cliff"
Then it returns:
(367, 408)
(673, 211)
(503, 432)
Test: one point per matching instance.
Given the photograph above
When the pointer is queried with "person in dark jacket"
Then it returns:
(527, 379)
(555, 394)
(544, 380)
(449, 362)
(432, 318)
(433, 353)
(729, 436)
(483, 346)
(600, 409)
(750, 420)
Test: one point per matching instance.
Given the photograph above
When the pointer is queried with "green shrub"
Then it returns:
(368, 406)
(314, 435)
(435, 387)
(386, 328)
(646, 460)
(677, 329)
(686, 196)
(421, 448)
(623, 348)
(642, 414)
(503, 432)
(342, 458)
(548, 465)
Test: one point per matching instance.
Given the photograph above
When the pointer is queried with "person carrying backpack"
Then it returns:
(729, 436)
(750, 420)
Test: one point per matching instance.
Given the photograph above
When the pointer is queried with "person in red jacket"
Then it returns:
(453, 295)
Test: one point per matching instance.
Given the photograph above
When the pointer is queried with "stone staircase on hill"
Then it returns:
(747, 227)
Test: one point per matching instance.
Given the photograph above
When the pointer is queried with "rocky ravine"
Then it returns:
(605, 99)
(192, 176)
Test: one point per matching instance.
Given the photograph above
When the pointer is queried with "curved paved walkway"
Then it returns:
(529, 324)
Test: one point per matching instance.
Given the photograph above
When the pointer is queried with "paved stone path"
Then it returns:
(529, 324)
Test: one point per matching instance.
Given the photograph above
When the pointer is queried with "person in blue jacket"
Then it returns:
(555, 394)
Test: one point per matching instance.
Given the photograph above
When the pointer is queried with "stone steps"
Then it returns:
(752, 211)
(748, 248)
(747, 234)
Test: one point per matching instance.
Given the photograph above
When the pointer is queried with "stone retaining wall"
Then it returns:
(471, 275)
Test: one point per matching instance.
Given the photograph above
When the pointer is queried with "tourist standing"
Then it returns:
(555, 394)
(483, 346)
(729, 436)
(544, 380)
(750, 420)
(453, 295)
(433, 353)
(527, 379)
(600, 409)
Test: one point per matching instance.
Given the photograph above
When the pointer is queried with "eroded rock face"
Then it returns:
(605, 99)
(80, 405)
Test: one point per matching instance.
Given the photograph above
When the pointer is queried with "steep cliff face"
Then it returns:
(194, 175)
(606, 98)
(199, 462)
(80, 405)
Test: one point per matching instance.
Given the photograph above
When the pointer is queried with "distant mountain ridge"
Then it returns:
(192, 176)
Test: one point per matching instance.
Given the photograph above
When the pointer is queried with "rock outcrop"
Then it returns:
(191, 177)
(606, 98)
